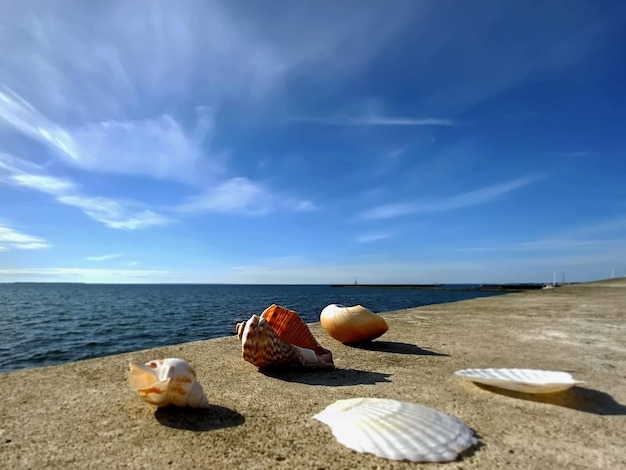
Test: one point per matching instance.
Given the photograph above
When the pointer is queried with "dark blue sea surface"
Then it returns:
(47, 324)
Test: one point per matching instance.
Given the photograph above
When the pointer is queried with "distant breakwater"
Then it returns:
(478, 287)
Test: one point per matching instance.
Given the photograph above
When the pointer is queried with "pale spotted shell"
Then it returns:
(164, 382)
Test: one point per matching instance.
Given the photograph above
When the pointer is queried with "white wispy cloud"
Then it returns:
(91, 106)
(236, 195)
(153, 50)
(373, 237)
(389, 211)
(12, 239)
(22, 116)
(61, 274)
(44, 183)
(470, 198)
(103, 257)
(117, 214)
(552, 245)
(242, 196)
(582, 153)
(395, 153)
(376, 121)
(157, 147)
(603, 236)
(122, 97)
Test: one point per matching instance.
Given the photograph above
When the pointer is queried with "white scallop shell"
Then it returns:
(521, 380)
(164, 382)
(397, 430)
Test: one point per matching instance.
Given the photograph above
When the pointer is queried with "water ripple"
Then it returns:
(47, 324)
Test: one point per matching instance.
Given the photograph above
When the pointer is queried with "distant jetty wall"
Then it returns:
(478, 287)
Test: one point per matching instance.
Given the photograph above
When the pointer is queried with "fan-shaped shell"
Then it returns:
(354, 324)
(521, 380)
(261, 345)
(164, 382)
(397, 430)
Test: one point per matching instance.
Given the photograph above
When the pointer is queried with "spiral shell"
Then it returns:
(279, 336)
(354, 324)
(164, 382)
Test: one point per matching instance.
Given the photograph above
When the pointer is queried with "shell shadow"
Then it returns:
(473, 449)
(577, 398)
(331, 378)
(198, 419)
(396, 348)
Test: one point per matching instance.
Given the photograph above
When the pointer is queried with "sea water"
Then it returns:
(48, 324)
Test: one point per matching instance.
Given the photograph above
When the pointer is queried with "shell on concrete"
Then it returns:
(290, 328)
(521, 380)
(279, 337)
(354, 324)
(164, 382)
(397, 430)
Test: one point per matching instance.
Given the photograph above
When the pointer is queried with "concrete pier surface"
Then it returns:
(83, 414)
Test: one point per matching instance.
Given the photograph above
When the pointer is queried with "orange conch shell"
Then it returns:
(279, 336)
(289, 327)
(352, 324)
(166, 382)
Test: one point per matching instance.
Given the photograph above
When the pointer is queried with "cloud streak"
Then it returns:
(242, 196)
(12, 239)
(158, 147)
(89, 274)
(235, 196)
(375, 121)
(467, 199)
(606, 236)
(117, 214)
(373, 237)
(103, 257)
(551, 245)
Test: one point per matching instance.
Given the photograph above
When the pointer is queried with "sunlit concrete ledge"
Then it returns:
(83, 415)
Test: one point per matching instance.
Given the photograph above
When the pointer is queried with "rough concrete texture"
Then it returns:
(83, 415)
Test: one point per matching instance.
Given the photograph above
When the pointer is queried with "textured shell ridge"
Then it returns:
(290, 328)
(262, 347)
(397, 430)
(278, 337)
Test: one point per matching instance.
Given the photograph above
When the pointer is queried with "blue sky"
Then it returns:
(312, 142)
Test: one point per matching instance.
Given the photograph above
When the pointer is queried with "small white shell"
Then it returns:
(397, 430)
(521, 380)
(166, 382)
